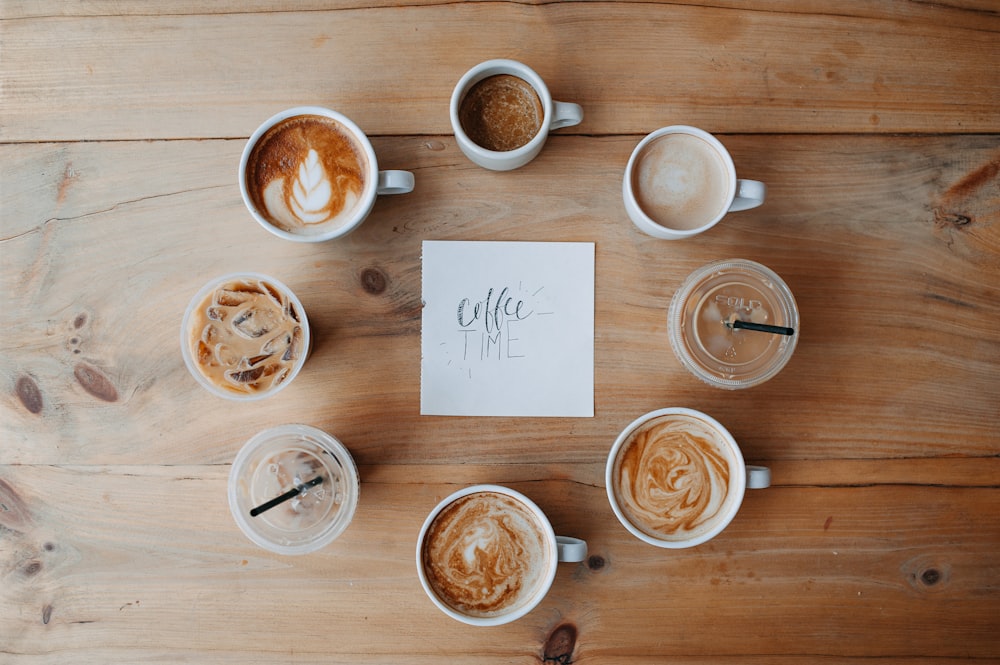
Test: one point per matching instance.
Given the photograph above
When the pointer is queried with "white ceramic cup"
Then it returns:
(559, 549)
(376, 182)
(555, 115)
(740, 478)
(739, 194)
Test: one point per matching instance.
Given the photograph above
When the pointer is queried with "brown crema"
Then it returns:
(671, 478)
(501, 113)
(485, 554)
(306, 172)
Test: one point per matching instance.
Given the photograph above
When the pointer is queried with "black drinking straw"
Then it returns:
(760, 327)
(295, 491)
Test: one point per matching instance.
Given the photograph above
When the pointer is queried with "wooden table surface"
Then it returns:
(875, 126)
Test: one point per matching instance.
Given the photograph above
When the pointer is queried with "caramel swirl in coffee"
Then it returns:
(672, 477)
(306, 174)
(246, 336)
(485, 554)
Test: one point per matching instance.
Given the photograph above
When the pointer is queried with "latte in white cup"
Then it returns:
(310, 174)
(487, 555)
(676, 478)
(681, 181)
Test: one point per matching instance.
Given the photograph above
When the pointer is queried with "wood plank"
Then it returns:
(729, 71)
(145, 562)
(888, 243)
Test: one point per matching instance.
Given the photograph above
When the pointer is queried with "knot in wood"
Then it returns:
(94, 382)
(559, 646)
(931, 576)
(373, 281)
(27, 391)
(595, 562)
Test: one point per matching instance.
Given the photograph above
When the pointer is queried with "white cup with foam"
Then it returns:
(487, 555)
(313, 192)
(675, 478)
(681, 181)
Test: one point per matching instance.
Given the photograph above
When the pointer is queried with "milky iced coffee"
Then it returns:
(244, 336)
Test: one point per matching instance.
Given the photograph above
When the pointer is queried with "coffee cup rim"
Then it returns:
(494, 67)
(186, 349)
(368, 197)
(632, 202)
(739, 478)
(550, 575)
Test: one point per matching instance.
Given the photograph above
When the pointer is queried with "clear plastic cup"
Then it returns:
(704, 310)
(284, 458)
(245, 336)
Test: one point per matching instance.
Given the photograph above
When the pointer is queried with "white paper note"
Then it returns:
(508, 329)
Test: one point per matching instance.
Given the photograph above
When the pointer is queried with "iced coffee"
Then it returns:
(293, 489)
(245, 336)
(733, 323)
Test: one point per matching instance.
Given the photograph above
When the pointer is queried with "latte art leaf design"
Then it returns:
(311, 191)
(307, 174)
(673, 479)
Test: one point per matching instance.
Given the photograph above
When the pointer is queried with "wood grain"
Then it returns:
(875, 127)
(194, 76)
(125, 570)
(869, 233)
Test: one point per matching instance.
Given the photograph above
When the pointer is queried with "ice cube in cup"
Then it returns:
(245, 336)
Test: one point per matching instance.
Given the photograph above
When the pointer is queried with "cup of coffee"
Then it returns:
(487, 555)
(293, 489)
(502, 113)
(244, 336)
(733, 323)
(309, 174)
(676, 478)
(681, 181)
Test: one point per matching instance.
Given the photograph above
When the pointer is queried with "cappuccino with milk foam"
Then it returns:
(486, 554)
(306, 174)
(672, 476)
(681, 181)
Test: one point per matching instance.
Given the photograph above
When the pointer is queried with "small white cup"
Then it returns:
(376, 182)
(739, 194)
(559, 548)
(741, 478)
(555, 115)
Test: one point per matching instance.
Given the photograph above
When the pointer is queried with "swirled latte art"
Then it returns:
(306, 174)
(671, 477)
(485, 554)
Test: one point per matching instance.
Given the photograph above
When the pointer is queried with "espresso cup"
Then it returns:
(681, 181)
(487, 555)
(502, 113)
(676, 478)
(309, 174)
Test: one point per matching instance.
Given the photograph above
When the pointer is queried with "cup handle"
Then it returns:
(758, 477)
(571, 550)
(565, 114)
(394, 182)
(749, 194)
